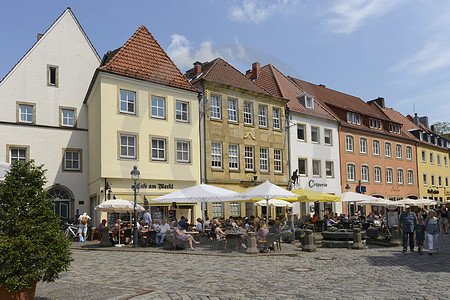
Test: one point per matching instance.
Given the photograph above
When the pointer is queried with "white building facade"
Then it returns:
(42, 115)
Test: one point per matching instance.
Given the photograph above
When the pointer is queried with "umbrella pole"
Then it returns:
(267, 212)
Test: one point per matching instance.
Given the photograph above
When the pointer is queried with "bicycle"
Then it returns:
(71, 232)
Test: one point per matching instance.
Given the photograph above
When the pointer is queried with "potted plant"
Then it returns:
(31, 245)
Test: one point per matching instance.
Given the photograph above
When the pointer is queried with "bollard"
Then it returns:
(251, 244)
(395, 240)
(104, 237)
(357, 239)
(309, 242)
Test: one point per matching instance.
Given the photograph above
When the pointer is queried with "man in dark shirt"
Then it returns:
(407, 221)
(183, 223)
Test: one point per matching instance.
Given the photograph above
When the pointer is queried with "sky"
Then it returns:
(396, 49)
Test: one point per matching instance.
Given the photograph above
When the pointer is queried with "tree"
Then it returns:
(442, 128)
(31, 245)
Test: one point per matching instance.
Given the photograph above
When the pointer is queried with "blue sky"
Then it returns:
(396, 49)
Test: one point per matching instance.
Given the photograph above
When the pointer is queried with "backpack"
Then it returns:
(84, 220)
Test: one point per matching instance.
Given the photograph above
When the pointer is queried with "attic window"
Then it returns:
(309, 102)
(353, 118)
(394, 128)
(52, 75)
(375, 124)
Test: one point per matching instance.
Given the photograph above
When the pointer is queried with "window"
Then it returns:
(351, 172)
(67, 117)
(158, 107)
(377, 174)
(425, 180)
(216, 155)
(232, 109)
(394, 128)
(52, 75)
(364, 173)
(276, 118)
(127, 146)
(431, 158)
(302, 167)
(182, 111)
(424, 156)
(398, 151)
(26, 113)
(235, 209)
(408, 153)
(353, 118)
(301, 132)
(314, 134)
(433, 183)
(445, 161)
(363, 145)
(446, 181)
(215, 107)
(158, 149)
(183, 151)
(127, 102)
(328, 136)
(410, 177)
(329, 170)
(262, 115)
(438, 159)
(277, 160)
(17, 154)
(387, 149)
(309, 102)
(264, 159)
(389, 175)
(249, 158)
(316, 167)
(400, 179)
(248, 113)
(217, 210)
(72, 160)
(376, 148)
(349, 143)
(349, 117)
(375, 124)
(233, 157)
(440, 180)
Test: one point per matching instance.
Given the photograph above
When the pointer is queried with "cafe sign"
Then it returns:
(159, 186)
(312, 183)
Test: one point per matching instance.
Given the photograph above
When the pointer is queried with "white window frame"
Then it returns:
(72, 160)
(410, 177)
(425, 179)
(309, 102)
(26, 113)
(262, 115)
(445, 161)
(217, 208)
(127, 146)
(440, 180)
(424, 156)
(183, 111)
(276, 118)
(215, 107)
(304, 132)
(248, 112)
(377, 177)
(155, 104)
(306, 166)
(365, 177)
(183, 151)
(249, 158)
(438, 158)
(389, 175)
(19, 157)
(127, 101)
(397, 147)
(317, 140)
(376, 151)
(349, 141)
(277, 160)
(235, 209)
(400, 179)
(329, 166)
(67, 119)
(387, 149)
(330, 136)
(158, 149)
(351, 172)
(363, 145)
(216, 155)
(233, 157)
(433, 181)
(264, 159)
(409, 153)
(233, 109)
(319, 167)
(431, 158)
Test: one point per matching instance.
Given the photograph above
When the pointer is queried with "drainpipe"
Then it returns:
(202, 124)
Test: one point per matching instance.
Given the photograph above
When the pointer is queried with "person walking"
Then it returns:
(433, 232)
(83, 219)
(407, 221)
(444, 219)
(420, 228)
(147, 217)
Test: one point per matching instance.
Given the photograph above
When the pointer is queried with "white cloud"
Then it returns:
(257, 11)
(184, 55)
(348, 15)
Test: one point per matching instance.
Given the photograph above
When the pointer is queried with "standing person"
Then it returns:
(420, 228)
(84, 219)
(407, 221)
(444, 219)
(147, 218)
(433, 232)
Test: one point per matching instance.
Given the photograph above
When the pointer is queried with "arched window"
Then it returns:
(61, 202)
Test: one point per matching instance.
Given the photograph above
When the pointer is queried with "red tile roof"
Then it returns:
(222, 72)
(143, 58)
(274, 81)
(397, 117)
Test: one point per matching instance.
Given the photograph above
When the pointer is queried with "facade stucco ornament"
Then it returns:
(249, 134)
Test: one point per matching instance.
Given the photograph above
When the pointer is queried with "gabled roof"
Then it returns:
(274, 81)
(143, 58)
(397, 117)
(218, 70)
(68, 10)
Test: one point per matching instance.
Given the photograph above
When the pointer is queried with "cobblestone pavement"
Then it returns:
(373, 273)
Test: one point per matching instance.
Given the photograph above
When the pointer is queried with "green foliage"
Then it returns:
(31, 246)
(442, 128)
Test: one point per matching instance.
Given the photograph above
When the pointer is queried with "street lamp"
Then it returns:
(135, 177)
(347, 188)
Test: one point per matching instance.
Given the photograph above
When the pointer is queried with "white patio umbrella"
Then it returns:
(266, 191)
(356, 197)
(3, 168)
(274, 202)
(119, 206)
(199, 193)
(381, 202)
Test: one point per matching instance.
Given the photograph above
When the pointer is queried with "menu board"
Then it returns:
(392, 218)
(111, 219)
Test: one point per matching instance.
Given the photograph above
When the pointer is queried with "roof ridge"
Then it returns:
(271, 68)
(214, 63)
(121, 49)
(243, 75)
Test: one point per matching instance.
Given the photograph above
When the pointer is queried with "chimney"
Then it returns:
(424, 121)
(197, 68)
(379, 101)
(432, 128)
(248, 72)
(255, 70)
(39, 36)
(416, 119)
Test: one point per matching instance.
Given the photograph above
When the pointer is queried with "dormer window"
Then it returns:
(394, 128)
(428, 138)
(421, 135)
(353, 118)
(306, 100)
(377, 124)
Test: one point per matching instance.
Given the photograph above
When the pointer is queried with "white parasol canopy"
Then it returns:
(381, 202)
(199, 193)
(356, 197)
(3, 168)
(274, 202)
(118, 206)
(419, 202)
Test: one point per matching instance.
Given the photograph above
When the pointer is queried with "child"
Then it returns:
(419, 228)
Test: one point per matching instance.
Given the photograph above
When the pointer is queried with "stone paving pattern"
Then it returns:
(373, 273)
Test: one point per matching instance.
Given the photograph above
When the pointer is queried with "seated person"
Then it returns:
(102, 224)
(199, 226)
(161, 233)
(179, 235)
(376, 222)
(331, 223)
(184, 225)
(220, 232)
(117, 227)
(272, 227)
(261, 235)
